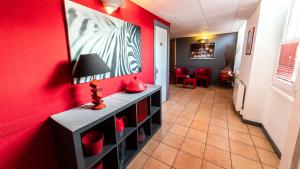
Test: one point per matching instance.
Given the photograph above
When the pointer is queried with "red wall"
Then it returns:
(36, 75)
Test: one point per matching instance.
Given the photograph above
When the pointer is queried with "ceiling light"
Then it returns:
(111, 5)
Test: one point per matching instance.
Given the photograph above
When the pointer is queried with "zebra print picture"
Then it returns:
(117, 42)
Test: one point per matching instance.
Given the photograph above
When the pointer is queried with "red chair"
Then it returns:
(204, 74)
(180, 73)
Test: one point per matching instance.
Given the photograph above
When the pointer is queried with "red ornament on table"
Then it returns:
(97, 95)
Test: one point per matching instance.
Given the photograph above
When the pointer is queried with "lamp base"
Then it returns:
(99, 107)
(96, 95)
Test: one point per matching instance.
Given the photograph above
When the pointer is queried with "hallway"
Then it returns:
(200, 129)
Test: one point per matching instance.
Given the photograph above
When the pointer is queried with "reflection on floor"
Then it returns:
(200, 129)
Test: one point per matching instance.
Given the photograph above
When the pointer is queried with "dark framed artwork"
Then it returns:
(202, 51)
(117, 42)
(250, 41)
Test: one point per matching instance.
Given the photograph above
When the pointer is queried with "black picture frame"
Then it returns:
(250, 41)
(202, 50)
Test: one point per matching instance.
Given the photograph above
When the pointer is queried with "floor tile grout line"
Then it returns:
(209, 124)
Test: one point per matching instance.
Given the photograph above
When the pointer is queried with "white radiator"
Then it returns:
(238, 94)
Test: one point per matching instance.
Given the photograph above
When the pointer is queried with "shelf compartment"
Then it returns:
(110, 160)
(155, 121)
(156, 99)
(154, 109)
(143, 109)
(130, 122)
(108, 128)
(127, 149)
(146, 127)
(92, 160)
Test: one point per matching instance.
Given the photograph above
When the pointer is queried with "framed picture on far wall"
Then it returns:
(202, 51)
(250, 41)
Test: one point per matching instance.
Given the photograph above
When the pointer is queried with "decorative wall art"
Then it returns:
(117, 42)
(202, 51)
(250, 41)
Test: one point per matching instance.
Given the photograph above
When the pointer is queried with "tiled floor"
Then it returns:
(201, 130)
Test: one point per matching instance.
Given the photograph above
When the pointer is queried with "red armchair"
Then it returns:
(180, 73)
(204, 74)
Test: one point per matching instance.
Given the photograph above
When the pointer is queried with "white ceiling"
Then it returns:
(196, 17)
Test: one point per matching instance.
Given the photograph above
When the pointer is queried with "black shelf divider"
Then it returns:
(126, 133)
(92, 160)
(154, 109)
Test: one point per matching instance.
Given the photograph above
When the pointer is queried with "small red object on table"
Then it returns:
(193, 81)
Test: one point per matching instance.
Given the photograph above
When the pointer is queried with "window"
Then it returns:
(289, 53)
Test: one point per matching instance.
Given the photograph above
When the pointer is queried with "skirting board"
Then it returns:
(276, 149)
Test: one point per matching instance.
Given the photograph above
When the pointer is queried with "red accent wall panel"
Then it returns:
(36, 75)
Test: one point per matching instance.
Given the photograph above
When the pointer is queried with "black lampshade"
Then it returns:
(90, 65)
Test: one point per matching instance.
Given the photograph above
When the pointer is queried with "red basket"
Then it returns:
(142, 109)
(92, 142)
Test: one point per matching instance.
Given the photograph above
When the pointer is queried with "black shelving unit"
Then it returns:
(118, 149)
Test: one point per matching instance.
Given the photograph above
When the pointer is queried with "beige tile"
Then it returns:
(217, 141)
(219, 116)
(187, 161)
(219, 131)
(209, 165)
(187, 116)
(173, 140)
(174, 112)
(199, 126)
(166, 108)
(166, 125)
(239, 162)
(219, 106)
(159, 136)
(150, 147)
(268, 158)
(184, 122)
(256, 131)
(267, 167)
(155, 164)
(219, 110)
(197, 135)
(238, 126)
(218, 122)
(179, 107)
(262, 143)
(207, 100)
(178, 129)
(243, 149)
(165, 154)
(241, 137)
(202, 119)
(138, 161)
(169, 118)
(217, 156)
(190, 108)
(193, 147)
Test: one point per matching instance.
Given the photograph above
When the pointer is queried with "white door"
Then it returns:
(161, 47)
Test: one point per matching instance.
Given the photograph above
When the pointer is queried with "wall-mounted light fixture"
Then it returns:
(204, 40)
(111, 5)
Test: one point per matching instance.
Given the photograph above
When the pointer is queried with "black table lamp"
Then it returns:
(92, 65)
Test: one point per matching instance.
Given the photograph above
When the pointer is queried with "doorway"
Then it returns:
(161, 58)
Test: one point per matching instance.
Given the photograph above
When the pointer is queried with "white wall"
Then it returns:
(262, 103)
(246, 62)
(292, 142)
(239, 48)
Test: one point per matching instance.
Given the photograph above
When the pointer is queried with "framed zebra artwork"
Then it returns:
(117, 42)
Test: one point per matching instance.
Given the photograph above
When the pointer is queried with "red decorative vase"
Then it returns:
(120, 123)
(135, 86)
(92, 143)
